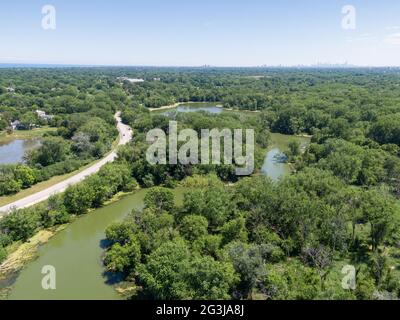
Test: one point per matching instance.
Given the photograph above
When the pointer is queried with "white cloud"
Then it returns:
(393, 39)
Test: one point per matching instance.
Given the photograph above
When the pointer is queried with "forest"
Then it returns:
(232, 238)
(263, 240)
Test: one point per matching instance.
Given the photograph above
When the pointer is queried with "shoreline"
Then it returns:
(21, 256)
(176, 105)
(25, 134)
(27, 252)
(218, 105)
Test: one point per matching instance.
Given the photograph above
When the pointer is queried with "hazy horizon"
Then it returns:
(316, 66)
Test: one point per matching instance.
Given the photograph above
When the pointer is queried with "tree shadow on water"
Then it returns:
(105, 244)
(113, 278)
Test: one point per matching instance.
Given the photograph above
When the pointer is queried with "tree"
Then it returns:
(250, 265)
(193, 227)
(123, 258)
(291, 281)
(81, 143)
(294, 148)
(344, 165)
(120, 232)
(214, 203)
(379, 211)
(117, 175)
(159, 199)
(320, 258)
(25, 174)
(29, 120)
(54, 212)
(210, 279)
(351, 200)
(52, 150)
(128, 116)
(365, 288)
(163, 275)
(234, 230)
(10, 186)
(96, 128)
(372, 171)
(51, 218)
(100, 189)
(380, 268)
(208, 245)
(387, 130)
(3, 124)
(78, 199)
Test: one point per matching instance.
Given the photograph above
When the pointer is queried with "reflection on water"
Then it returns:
(275, 165)
(210, 109)
(195, 107)
(14, 151)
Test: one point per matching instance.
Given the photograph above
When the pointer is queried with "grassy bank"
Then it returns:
(19, 255)
(25, 134)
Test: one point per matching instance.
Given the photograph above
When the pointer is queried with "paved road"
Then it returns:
(125, 136)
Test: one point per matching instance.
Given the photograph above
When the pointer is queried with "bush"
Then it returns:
(131, 185)
(59, 169)
(21, 225)
(78, 199)
(3, 254)
(5, 240)
(53, 218)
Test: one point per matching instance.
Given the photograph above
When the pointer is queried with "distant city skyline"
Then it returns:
(224, 33)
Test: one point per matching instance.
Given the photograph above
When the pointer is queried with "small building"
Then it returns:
(15, 125)
(131, 80)
(10, 89)
(43, 115)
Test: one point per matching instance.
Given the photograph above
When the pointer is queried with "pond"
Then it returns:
(194, 107)
(275, 165)
(76, 253)
(13, 151)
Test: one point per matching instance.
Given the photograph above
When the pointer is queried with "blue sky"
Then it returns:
(198, 32)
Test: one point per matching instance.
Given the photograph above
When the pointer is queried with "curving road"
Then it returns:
(125, 136)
